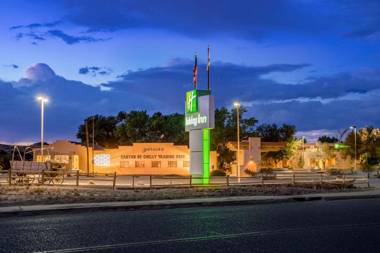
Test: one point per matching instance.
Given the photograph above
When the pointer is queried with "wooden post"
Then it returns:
(321, 180)
(294, 178)
(228, 180)
(114, 180)
(368, 180)
(191, 180)
(150, 181)
(77, 178)
(10, 176)
(133, 181)
(43, 176)
(262, 180)
(344, 181)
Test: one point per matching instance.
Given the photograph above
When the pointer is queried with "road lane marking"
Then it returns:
(208, 237)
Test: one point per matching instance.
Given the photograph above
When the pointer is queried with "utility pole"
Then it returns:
(93, 143)
(88, 158)
(237, 106)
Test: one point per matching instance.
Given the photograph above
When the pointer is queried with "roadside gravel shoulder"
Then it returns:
(110, 204)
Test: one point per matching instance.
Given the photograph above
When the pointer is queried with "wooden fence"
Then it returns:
(114, 180)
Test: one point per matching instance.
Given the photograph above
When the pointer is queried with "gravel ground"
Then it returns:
(24, 195)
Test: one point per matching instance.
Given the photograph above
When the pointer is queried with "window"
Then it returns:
(186, 164)
(62, 159)
(139, 164)
(102, 160)
(172, 164)
(156, 164)
(124, 164)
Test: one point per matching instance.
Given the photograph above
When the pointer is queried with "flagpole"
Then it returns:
(208, 69)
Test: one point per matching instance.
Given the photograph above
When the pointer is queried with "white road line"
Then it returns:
(209, 237)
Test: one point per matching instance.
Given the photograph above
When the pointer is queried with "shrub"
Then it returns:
(221, 173)
(250, 172)
(266, 171)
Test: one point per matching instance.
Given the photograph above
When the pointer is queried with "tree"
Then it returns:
(368, 145)
(327, 139)
(4, 160)
(105, 130)
(225, 131)
(273, 133)
(133, 128)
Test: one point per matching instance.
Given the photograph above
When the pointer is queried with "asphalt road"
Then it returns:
(320, 226)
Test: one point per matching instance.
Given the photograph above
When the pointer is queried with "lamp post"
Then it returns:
(355, 133)
(303, 152)
(237, 106)
(43, 100)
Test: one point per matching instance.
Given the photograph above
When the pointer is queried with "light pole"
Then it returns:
(303, 152)
(43, 100)
(237, 106)
(354, 128)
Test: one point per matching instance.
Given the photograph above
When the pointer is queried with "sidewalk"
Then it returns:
(155, 204)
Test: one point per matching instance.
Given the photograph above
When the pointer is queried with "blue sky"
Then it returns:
(315, 64)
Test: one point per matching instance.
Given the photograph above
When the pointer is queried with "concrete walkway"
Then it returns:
(154, 204)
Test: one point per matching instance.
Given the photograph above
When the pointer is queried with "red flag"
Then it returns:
(195, 72)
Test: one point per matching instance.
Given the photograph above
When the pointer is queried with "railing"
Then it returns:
(120, 181)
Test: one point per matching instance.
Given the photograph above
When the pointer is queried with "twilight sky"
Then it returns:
(315, 64)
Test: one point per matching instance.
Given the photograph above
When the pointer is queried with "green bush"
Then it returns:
(220, 173)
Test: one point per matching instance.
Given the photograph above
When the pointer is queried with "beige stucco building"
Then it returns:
(137, 159)
(170, 159)
(72, 154)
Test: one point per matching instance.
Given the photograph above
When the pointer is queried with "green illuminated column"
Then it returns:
(206, 155)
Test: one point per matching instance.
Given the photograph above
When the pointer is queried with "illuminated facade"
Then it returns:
(137, 159)
(144, 158)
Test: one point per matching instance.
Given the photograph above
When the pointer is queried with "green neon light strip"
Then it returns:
(206, 155)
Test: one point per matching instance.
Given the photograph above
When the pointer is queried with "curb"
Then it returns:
(175, 203)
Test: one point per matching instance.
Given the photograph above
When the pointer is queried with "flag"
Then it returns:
(195, 72)
(208, 59)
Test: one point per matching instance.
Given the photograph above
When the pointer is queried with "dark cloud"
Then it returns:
(70, 39)
(323, 103)
(37, 32)
(94, 71)
(36, 25)
(364, 33)
(247, 19)
(362, 18)
(32, 35)
(13, 66)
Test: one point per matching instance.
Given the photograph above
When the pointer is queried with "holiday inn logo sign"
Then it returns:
(197, 114)
(196, 119)
(191, 101)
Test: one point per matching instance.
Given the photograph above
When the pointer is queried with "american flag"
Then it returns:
(195, 72)
(208, 59)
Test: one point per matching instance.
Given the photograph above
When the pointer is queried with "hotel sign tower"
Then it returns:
(199, 119)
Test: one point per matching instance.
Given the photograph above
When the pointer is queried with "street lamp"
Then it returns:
(355, 131)
(237, 106)
(43, 100)
(303, 152)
